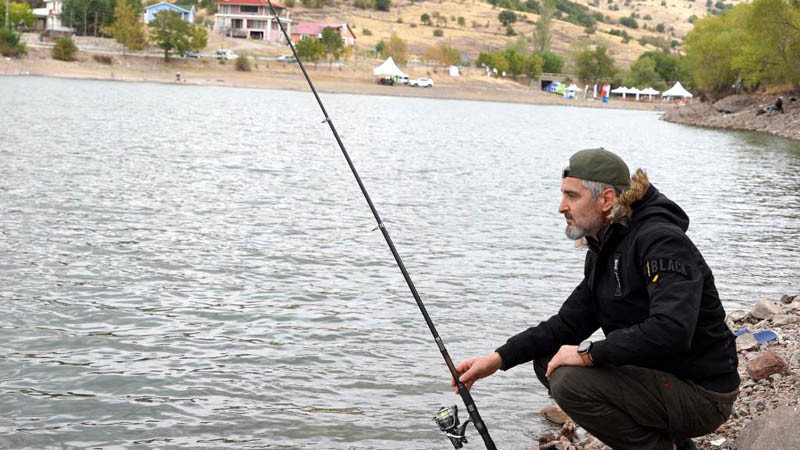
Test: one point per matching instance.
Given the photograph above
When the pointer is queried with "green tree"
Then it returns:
(170, 32)
(642, 73)
(533, 66)
(311, 49)
(397, 49)
(594, 66)
(462, 22)
(493, 60)
(519, 45)
(383, 5)
(516, 62)
(551, 63)
(64, 50)
(127, 28)
(443, 54)
(198, 39)
(332, 41)
(507, 17)
(425, 19)
(541, 34)
(711, 47)
(10, 44)
(19, 14)
(379, 48)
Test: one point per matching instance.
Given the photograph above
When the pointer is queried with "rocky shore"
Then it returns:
(766, 416)
(741, 112)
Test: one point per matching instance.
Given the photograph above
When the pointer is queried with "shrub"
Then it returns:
(363, 4)
(461, 21)
(366, 32)
(692, 18)
(103, 59)
(65, 50)
(243, 64)
(289, 3)
(9, 43)
(438, 32)
(383, 5)
(629, 22)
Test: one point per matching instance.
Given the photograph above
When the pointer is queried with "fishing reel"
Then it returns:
(447, 419)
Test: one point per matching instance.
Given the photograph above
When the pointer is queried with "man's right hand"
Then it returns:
(473, 369)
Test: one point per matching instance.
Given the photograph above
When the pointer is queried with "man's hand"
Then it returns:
(473, 369)
(567, 355)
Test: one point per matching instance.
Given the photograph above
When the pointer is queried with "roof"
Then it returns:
(315, 28)
(251, 2)
(172, 6)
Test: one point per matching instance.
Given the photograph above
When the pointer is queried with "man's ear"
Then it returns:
(608, 196)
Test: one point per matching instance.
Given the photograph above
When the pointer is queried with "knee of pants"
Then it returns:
(569, 384)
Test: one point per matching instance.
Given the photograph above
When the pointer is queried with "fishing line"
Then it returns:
(447, 421)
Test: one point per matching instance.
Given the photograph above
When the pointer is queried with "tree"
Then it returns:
(170, 32)
(90, 17)
(643, 73)
(64, 50)
(18, 13)
(594, 66)
(516, 62)
(397, 49)
(425, 19)
(551, 63)
(541, 34)
(332, 41)
(379, 48)
(492, 60)
(443, 54)
(519, 45)
(710, 49)
(507, 17)
(383, 5)
(127, 29)
(533, 66)
(198, 39)
(9, 43)
(311, 49)
(462, 22)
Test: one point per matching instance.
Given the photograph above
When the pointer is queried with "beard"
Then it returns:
(581, 228)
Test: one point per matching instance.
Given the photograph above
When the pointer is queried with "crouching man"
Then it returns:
(667, 368)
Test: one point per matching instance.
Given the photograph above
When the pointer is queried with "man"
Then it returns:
(667, 368)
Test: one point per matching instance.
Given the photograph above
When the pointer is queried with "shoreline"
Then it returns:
(472, 85)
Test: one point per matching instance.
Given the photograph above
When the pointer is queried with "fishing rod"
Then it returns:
(446, 418)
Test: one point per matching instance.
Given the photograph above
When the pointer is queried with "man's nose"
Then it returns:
(562, 207)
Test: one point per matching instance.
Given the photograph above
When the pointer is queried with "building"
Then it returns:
(303, 30)
(251, 19)
(151, 11)
(48, 19)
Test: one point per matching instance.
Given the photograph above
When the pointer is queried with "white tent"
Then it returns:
(454, 71)
(621, 90)
(636, 91)
(571, 90)
(650, 92)
(388, 69)
(677, 91)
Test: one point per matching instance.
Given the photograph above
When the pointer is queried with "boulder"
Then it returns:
(554, 414)
(780, 320)
(733, 104)
(776, 429)
(765, 309)
(737, 316)
(786, 299)
(767, 364)
(746, 342)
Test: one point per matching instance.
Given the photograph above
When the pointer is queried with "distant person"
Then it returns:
(666, 370)
(779, 105)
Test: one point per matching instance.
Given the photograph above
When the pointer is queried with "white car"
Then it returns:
(286, 59)
(226, 54)
(421, 82)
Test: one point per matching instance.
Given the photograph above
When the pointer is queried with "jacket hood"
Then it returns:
(644, 202)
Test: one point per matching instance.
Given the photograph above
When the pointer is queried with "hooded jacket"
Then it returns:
(650, 290)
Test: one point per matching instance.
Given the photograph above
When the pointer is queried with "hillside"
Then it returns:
(483, 31)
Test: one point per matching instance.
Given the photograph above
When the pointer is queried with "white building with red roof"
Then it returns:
(304, 30)
(251, 19)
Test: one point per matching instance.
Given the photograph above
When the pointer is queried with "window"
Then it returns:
(249, 9)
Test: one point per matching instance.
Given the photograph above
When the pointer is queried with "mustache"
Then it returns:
(568, 216)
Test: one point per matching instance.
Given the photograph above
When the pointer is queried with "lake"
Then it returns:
(195, 267)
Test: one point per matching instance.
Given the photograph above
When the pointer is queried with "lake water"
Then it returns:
(195, 267)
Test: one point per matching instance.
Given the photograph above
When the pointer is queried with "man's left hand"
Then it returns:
(567, 355)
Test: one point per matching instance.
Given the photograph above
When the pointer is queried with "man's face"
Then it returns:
(585, 215)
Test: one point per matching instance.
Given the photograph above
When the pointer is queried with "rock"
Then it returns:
(544, 438)
(776, 429)
(786, 299)
(554, 414)
(746, 342)
(767, 364)
(733, 104)
(737, 316)
(780, 320)
(765, 309)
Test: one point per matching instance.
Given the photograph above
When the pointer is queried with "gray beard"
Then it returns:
(575, 232)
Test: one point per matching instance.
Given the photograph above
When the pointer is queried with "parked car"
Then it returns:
(421, 82)
(190, 54)
(402, 80)
(286, 59)
(226, 54)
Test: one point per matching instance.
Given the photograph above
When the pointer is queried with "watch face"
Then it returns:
(584, 347)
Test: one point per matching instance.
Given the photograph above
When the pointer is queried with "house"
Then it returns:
(48, 19)
(303, 30)
(151, 11)
(251, 19)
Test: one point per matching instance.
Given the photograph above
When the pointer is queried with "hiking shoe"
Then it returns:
(684, 444)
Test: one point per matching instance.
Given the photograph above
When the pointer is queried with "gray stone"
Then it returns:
(786, 299)
(746, 342)
(775, 430)
(737, 316)
(733, 104)
(554, 414)
(780, 320)
(765, 309)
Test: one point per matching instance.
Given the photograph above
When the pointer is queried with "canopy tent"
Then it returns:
(677, 91)
(620, 90)
(636, 91)
(571, 90)
(650, 92)
(388, 69)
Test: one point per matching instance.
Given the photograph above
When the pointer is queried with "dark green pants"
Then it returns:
(633, 408)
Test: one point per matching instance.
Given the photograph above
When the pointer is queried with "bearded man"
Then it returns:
(666, 370)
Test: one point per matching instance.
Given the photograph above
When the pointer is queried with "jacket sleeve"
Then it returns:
(674, 283)
(574, 322)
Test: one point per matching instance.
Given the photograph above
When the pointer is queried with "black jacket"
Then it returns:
(650, 290)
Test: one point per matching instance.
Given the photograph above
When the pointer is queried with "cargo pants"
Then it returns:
(633, 408)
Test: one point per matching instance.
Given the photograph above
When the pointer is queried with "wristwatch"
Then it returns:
(583, 350)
